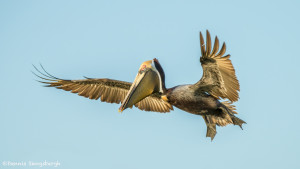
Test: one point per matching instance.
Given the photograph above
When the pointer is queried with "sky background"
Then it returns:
(110, 39)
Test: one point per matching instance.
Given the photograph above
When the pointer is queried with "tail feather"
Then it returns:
(230, 110)
(238, 121)
(222, 117)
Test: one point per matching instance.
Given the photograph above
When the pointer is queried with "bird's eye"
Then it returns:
(142, 69)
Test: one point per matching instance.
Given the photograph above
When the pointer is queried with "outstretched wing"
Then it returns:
(108, 90)
(219, 77)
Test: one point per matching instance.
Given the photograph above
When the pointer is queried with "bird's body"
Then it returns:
(148, 91)
(185, 98)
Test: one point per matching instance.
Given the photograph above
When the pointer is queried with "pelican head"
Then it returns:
(150, 79)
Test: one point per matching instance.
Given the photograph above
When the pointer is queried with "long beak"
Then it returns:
(143, 86)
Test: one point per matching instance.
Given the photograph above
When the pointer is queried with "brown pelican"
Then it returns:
(148, 91)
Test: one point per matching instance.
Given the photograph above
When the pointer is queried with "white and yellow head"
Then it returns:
(150, 79)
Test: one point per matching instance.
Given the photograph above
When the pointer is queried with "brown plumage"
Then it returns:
(219, 77)
(107, 90)
(218, 81)
(148, 91)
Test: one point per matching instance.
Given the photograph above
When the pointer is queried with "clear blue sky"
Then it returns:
(110, 39)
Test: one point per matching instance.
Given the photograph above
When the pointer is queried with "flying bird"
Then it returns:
(149, 93)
